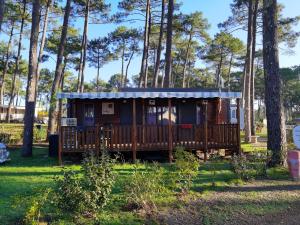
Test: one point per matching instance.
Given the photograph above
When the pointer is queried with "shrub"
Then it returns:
(240, 167)
(144, 186)
(88, 191)
(5, 138)
(259, 126)
(39, 134)
(250, 167)
(187, 168)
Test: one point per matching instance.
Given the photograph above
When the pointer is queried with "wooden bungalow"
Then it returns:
(136, 120)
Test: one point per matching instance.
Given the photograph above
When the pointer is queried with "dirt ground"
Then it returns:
(260, 202)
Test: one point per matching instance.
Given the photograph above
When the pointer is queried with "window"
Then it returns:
(233, 113)
(89, 114)
(89, 111)
(151, 116)
(160, 115)
(108, 108)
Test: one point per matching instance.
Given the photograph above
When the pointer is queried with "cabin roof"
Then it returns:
(129, 93)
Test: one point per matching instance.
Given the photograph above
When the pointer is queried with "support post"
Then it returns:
(133, 130)
(205, 131)
(170, 138)
(143, 121)
(218, 105)
(74, 108)
(238, 116)
(60, 143)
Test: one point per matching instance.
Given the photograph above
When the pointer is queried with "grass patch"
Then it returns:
(13, 133)
(22, 177)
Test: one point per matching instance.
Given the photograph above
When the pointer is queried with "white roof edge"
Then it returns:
(128, 95)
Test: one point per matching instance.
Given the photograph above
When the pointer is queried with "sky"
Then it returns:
(215, 11)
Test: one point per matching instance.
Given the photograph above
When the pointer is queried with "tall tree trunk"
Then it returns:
(186, 58)
(43, 41)
(127, 67)
(252, 88)
(219, 69)
(244, 87)
(229, 70)
(189, 77)
(159, 47)
(17, 63)
(84, 43)
(53, 111)
(145, 47)
(147, 58)
(5, 67)
(273, 98)
(248, 74)
(122, 67)
(17, 97)
(168, 69)
(62, 83)
(98, 70)
(31, 81)
(86, 24)
(2, 5)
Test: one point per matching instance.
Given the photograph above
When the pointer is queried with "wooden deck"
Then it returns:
(149, 137)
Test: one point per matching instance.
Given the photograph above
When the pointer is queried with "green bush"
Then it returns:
(87, 191)
(251, 166)
(144, 186)
(187, 168)
(39, 134)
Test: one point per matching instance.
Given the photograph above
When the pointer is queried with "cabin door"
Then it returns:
(89, 115)
(200, 114)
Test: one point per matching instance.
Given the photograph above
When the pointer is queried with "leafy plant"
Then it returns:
(87, 191)
(213, 159)
(143, 186)
(34, 211)
(187, 168)
(250, 167)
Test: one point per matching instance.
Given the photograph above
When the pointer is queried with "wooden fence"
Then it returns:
(149, 137)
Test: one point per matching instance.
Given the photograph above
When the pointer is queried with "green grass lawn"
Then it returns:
(23, 177)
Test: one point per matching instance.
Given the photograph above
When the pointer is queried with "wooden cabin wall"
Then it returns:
(225, 111)
(186, 110)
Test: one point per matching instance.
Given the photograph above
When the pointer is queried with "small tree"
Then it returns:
(125, 44)
(98, 55)
(88, 191)
(187, 166)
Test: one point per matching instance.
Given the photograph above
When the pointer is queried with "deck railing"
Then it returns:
(149, 137)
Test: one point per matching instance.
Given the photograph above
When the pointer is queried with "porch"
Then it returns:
(149, 137)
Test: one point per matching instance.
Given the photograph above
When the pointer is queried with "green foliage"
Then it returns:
(11, 133)
(5, 137)
(251, 166)
(34, 210)
(213, 160)
(187, 168)
(144, 185)
(25, 177)
(87, 192)
(259, 126)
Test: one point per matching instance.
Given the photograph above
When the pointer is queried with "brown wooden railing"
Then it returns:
(149, 137)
